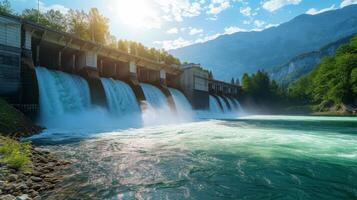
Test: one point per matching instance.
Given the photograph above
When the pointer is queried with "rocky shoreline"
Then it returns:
(41, 176)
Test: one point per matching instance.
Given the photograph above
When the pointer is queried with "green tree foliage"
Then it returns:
(78, 24)
(5, 7)
(334, 79)
(261, 90)
(53, 19)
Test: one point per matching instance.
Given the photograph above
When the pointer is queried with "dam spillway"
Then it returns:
(120, 97)
(65, 97)
(61, 93)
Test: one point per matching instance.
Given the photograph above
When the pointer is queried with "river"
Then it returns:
(254, 157)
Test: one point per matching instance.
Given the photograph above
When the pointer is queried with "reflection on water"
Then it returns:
(249, 158)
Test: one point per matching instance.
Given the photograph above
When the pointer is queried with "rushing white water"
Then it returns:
(232, 104)
(183, 106)
(121, 99)
(214, 105)
(224, 104)
(61, 93)
(157, 110)
(259, 157)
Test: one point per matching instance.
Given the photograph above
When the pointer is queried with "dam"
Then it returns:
(49, 74)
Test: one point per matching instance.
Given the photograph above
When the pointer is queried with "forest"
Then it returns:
(333, 83)
(331, 86)
(91, 25)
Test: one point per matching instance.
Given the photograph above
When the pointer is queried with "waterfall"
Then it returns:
(183, 106)
(224, 104)
(61, 93)
(214, 105)
(157, 110)
(232, 104)
(154, 97)
(240, 109)
(120, 97)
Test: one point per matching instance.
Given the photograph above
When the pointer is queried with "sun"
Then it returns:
(137, 13)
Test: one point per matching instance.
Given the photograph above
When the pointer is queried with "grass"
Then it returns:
(14, 153)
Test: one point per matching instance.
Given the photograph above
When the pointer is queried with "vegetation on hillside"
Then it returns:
(332, 83)
(14, 153)
(89, 26)
(13, 123)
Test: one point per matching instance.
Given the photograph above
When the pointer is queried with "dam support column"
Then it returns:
(88, 69)
(134, 82)
(161, 84)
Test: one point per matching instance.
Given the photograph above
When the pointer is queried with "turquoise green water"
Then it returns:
(258, 157)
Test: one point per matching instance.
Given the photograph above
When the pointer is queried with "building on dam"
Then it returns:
(25, 46)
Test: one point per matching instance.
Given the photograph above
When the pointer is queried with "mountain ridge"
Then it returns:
(232, 55)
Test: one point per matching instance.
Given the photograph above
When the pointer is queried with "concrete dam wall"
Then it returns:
(51, 74)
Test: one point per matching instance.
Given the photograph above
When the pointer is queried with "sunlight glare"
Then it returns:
(137, 13)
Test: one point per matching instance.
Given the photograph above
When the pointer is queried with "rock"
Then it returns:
(7, 197)
(36, 186)
(2, 184)
(36, 179)
(36, 198)
(29, 183)
(8, 187)
(23, 197)
(33, 193)
(12, 178)
(22, 187)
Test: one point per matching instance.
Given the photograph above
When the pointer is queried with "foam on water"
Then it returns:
(183, 106)
(120, 97)
(255, 158)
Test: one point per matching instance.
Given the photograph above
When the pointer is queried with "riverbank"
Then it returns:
(25, 170)
(15, 124)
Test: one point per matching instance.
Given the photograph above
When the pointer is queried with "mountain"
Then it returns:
(232, 55)
(304, 63)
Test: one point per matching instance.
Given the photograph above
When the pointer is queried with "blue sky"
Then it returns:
(175, 23)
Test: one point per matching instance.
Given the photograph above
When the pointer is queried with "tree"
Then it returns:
(111, 41)
(5, 7)
(123, 45)
(332, 81)
(98, 26)
(78, 23)
(246, 82)
(56, 20)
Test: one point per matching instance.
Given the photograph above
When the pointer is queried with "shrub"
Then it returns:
(15, 154)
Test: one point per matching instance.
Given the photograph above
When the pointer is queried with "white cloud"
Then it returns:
(174, 44)
(271, 25)
(176, 10)
(347, 3)
(208, 38)
(246, 11)
(259, 23)
(273, 5)
(217, 6)
(313, 11)
(59, 7)
(172, 31)
(194, 31)
(233, 29)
